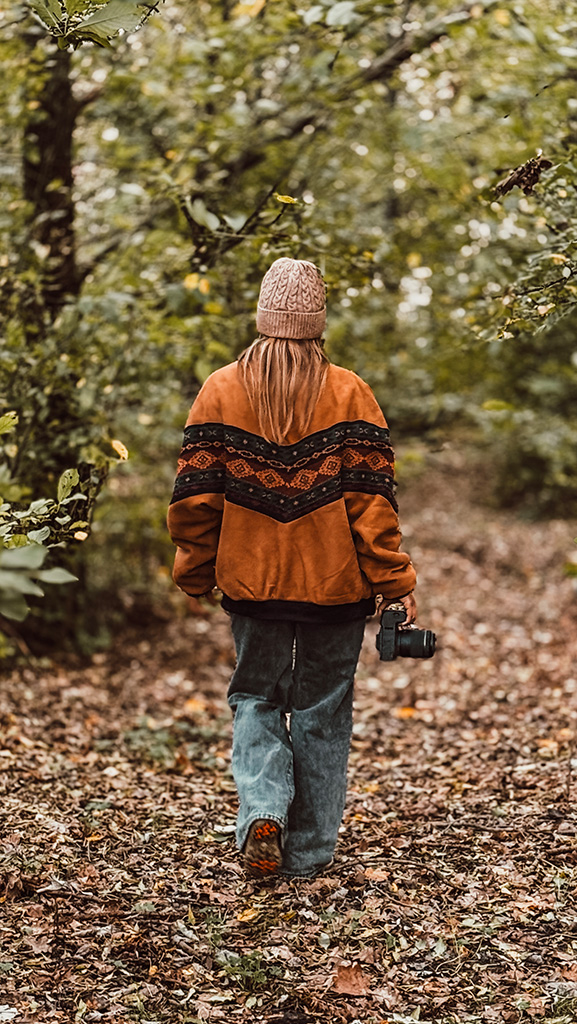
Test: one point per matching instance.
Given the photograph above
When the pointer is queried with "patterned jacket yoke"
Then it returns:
(285, 482)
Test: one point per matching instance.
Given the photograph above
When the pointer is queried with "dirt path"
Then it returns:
(453, 895)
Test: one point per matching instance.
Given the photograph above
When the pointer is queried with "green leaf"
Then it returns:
(77, 496)
(8, 421)
(116, 16)
(30, 557)
(497, 405)
(76, 6)
(19, 583)
(201, 215)
(56, 575)
(49, 12)
(18, 540)
(315, 13)
(288, 200)
(68, 481)
(13, 606)
(40, 507)
(39, 536)
(236, 221)
(341, 13)
(88, 36)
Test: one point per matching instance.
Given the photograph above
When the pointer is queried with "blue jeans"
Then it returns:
(294, 772)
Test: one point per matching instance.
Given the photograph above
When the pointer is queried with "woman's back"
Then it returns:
(310, 521)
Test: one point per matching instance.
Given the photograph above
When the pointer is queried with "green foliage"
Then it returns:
(31, 532)
(162, 745)
(227, 134)
(26, 534)
(530, 418)
(536, 460)
(545, 290)
(249, 971)
(73, 22)
(45, 521)
(20, 573)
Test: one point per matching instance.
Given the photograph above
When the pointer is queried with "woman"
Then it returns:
(284, 501)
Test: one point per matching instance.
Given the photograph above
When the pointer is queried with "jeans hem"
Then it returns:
(307, 874)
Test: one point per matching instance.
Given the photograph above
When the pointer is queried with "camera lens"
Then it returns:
(415, 643)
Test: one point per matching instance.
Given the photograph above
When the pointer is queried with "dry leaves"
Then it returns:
(452, 897)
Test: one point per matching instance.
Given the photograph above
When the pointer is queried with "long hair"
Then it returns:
(283, 379)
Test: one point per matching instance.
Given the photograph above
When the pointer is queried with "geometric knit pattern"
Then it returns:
(285, 482)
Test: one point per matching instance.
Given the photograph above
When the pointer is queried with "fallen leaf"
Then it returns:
(404, 712)
(536, 1007)
(377, 874)
(8, 1012)
(350, 981)
(248, 914)
(564, 735)
(194, 704)
(38, 944)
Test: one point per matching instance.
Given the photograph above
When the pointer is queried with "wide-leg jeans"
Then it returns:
(292, 697)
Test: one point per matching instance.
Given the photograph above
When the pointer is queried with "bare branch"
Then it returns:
(415, 42)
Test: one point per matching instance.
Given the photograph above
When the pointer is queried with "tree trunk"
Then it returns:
(47, 167)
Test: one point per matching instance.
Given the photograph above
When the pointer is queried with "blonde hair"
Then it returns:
(283, 379)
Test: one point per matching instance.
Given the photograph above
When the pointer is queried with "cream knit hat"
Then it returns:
(292, 301)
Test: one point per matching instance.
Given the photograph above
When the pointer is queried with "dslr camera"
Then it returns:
(397, 641)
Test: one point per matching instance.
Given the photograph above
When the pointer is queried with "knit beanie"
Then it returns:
(292, 301)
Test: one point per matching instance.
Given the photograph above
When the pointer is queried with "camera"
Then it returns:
(395, 641)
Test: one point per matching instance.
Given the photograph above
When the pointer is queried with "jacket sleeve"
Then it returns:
(195, 512)
(368, 485)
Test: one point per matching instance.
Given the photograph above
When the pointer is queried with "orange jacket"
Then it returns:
(313, 520)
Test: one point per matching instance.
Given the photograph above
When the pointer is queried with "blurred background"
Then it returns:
(156, 158)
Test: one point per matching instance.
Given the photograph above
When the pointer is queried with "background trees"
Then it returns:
(151, 183)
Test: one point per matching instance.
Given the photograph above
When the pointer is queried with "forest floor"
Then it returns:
(453, 894)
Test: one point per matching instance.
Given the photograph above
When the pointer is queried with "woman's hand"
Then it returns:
(409, 604)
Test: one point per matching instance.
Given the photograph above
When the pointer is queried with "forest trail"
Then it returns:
(453, 894)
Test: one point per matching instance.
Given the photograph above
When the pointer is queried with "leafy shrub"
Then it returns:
(535, 459)
(30, 531)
